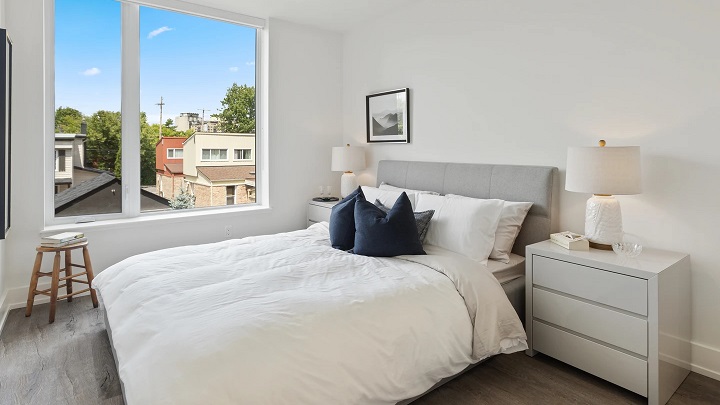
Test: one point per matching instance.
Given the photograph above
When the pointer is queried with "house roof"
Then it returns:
(81, 190)
(174, 168)
(227, 173)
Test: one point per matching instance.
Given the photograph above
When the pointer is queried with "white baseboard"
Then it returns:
(4, 309)
(705, 359)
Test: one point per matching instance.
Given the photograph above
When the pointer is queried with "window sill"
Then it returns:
(154, 219)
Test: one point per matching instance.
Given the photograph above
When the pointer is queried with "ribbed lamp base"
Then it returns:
(348, 184)
(603, 221)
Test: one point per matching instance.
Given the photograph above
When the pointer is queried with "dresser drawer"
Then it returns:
(618, 329)
(605, 287)
(617, 367)
(318, 213)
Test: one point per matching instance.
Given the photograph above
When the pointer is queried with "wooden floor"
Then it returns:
(70, 362)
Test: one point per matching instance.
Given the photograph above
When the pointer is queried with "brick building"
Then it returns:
(169, 166)
(219, 168)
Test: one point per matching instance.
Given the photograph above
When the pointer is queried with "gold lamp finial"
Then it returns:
(601, 143)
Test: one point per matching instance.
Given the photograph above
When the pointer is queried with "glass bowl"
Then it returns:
(629, 246)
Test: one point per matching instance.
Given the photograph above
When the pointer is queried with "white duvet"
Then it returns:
(286, 319)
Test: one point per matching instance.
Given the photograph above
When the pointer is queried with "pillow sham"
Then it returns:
(422, 219)
(463, 225)
(511, 219)
(342, 222)
(389, 187)
(387, 197)
(388, 234)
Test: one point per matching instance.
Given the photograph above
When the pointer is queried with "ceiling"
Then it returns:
(333, 15)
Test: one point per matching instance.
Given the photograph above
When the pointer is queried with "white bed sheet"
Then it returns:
(287, 319)
(507, 272)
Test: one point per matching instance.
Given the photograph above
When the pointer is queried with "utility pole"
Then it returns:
(161, 104)
(202, 121)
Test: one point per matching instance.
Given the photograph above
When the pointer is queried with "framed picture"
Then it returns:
(5, 92)
(387, 116)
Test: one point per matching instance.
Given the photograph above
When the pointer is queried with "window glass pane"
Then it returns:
(87, 108)
(197, 86)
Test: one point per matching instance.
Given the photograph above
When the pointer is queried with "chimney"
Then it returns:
(83, 127)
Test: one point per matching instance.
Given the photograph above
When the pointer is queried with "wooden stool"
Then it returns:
(52, 292)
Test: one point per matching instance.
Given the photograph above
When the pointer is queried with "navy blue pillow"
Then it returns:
(342, 222)
(386, 234)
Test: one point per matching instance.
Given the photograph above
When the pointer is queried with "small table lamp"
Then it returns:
(347, 159)
(604, 172)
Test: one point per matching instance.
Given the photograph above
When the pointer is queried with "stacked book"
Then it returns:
(63, 239)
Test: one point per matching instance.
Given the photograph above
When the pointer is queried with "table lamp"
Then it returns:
(604, 172)
(347, 159)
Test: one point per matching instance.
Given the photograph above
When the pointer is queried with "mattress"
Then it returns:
(507, 272)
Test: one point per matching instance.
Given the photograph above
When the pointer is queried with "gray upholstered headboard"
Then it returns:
(506, 182)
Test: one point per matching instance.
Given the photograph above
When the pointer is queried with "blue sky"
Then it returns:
(189, 61)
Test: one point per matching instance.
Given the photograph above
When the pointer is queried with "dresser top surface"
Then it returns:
(650, 262)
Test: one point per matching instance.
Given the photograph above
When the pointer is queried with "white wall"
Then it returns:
(517, 82)
(305, 116)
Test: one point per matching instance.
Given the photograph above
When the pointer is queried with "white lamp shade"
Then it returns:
(603, 170)
(347, 158)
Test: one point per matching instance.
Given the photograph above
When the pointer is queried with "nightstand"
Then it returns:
(319, 211)
(624, 320)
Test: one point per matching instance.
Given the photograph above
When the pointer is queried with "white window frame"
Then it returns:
(174, 150)
(130, 102)
(210, 159)
(235, 150)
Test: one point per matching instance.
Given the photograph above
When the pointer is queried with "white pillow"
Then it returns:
(385, 186)
(462, 225)
(511, 219)
(386, 197)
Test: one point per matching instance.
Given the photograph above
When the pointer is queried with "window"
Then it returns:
(85, 62)
(175, 153)
(230, 195)
(242, 154)
(60, 161)
(118, 155)
(214, 154)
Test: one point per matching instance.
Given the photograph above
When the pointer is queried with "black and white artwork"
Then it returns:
(5, 92)
(387, 116)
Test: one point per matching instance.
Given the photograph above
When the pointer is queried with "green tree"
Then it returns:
(183, 201)
(238, 110)
(102, 147)
(67, 120)
(149, 138)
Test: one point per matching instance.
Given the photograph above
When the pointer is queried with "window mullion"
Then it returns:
(130, 108)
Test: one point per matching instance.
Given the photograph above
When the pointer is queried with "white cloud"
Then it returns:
(233, 69)
(91, 72)
(250, 63)
(158, 31)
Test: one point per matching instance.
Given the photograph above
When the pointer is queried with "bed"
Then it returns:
(288, 319)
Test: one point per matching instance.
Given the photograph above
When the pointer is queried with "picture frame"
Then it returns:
(387, 116)
(5, 129)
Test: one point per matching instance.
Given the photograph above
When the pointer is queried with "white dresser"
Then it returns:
(624, 320)
(319, 211)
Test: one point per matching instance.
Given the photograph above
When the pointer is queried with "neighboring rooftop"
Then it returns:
(174, 168)
(227, 173)
(81, 190)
